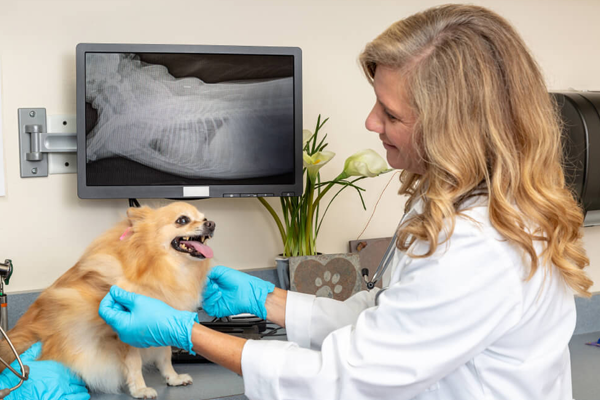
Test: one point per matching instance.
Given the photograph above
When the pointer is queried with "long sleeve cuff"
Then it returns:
(262, 362)
(298, 316)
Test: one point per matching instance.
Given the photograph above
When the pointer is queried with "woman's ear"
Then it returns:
(136, 214)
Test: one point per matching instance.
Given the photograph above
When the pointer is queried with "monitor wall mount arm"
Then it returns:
(42, 153)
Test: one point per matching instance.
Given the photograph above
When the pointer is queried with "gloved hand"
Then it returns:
(48, 380)
(142, 321)
(230, 292)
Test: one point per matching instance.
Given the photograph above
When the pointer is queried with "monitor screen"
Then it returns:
(179, 121)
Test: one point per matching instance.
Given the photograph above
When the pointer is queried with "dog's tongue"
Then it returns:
(200, 248)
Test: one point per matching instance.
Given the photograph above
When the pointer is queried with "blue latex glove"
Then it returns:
(230, 292)
(48, 380)
(142, 321)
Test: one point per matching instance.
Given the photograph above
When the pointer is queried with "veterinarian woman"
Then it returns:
(489, 254)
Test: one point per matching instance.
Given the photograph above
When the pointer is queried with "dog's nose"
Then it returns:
(210, 225)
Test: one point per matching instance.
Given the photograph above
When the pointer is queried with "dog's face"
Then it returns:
(179, 228)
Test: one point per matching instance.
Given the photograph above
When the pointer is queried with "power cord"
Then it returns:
(375, 208)
(272, 330)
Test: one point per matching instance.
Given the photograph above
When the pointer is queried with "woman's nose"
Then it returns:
(373, 122)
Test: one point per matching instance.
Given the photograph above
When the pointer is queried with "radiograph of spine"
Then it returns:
(185, 126)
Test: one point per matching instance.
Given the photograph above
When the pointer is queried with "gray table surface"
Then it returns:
(215, 382)
(585, 365)
(211, 381)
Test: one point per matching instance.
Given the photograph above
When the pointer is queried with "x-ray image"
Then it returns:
(188, 126)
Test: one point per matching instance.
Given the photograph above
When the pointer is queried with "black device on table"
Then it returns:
(247, 327)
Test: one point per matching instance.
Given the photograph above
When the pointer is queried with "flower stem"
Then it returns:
(331, 183)
(309, 238)
(344, 184)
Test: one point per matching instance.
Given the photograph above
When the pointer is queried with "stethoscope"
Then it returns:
(6, 269)
(383, 264)
(381, 268)
(24, 368)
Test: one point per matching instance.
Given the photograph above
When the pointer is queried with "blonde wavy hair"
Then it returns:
(485, 124)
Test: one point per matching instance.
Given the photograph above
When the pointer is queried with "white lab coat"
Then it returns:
(461, 324)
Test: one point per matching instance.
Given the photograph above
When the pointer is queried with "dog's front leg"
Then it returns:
(164, 365)
(134, 378)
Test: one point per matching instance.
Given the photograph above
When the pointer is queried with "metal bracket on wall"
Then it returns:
(592, 218)
(42, 153)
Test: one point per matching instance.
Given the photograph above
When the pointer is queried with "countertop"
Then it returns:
(585, 366)
(215, 382)
(211, 381)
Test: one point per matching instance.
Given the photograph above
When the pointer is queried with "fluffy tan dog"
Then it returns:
(159, 253)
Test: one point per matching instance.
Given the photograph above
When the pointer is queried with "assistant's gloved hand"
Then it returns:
(230, 292)
(142, 321)
(48, 380)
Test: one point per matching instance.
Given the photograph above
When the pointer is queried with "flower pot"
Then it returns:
(336, 276)
(283, 271)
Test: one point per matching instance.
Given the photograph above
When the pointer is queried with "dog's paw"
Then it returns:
(179, 380)
(144, 393)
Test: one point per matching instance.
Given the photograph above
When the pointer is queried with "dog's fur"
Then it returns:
(136, 255)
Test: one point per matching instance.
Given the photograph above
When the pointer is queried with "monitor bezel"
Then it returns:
(192, 191)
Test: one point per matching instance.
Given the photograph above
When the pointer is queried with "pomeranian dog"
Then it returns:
(160, 253)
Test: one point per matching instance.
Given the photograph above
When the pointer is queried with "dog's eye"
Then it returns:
(183, 220)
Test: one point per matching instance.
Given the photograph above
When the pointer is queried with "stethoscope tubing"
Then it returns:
(385, 262)
(24, 369)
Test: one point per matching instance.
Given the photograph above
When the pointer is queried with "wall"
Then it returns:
(44, 227)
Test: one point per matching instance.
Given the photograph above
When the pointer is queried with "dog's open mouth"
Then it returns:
(193, 245)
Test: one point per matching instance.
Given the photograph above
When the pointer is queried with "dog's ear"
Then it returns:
(136, 214)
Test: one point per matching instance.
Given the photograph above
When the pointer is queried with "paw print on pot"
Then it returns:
(329, 275)
(327, 284)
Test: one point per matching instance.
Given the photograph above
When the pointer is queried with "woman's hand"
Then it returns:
(48, 380)
(142, 321)
(230, 292)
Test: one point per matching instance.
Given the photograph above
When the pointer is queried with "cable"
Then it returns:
(273, 332)
(375, 208)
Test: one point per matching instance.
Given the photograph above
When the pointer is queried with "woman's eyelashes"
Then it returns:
(390, 116)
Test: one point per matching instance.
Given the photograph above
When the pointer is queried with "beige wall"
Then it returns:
(44, 227)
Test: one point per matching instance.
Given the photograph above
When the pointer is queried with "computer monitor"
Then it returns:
(188, 121)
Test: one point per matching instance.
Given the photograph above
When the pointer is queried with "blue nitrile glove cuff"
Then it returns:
(182, 338)
(142, 321)
(262, 291)
(230, 292)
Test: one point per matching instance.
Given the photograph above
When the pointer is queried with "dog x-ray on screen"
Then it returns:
(163, 119)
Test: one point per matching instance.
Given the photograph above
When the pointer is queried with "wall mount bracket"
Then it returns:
(42, 153)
